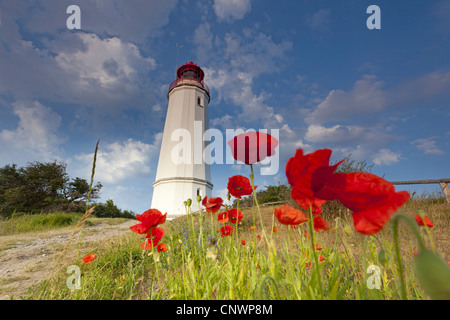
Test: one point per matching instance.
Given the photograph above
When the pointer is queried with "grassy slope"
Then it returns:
(188, 271)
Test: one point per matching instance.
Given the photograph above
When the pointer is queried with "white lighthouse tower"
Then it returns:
(182, 170)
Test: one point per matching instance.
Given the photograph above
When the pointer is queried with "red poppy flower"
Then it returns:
(252, 228)
(149, 219)
(372, 199)
(275, 229)
(234, 216)
(308, 264)
(294, 227)
(155, 235)
(88, 258)
(289, 216)
(226, 231)
(243, 242)
(321, 258)
(222, 217)
(252, 147)
(258, 237)
(320, 224)
(161, 247)
(239, 186)
(428, 222)
(212, 204)
(308, 174)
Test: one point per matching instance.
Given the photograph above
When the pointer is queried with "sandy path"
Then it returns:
(26, 259)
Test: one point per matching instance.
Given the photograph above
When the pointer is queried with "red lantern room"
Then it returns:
(190, 74)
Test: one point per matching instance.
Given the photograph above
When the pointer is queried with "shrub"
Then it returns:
(110, 210)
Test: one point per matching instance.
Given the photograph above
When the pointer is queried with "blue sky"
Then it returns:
(310, 69)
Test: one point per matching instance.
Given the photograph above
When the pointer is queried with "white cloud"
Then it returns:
(104, 63)
(130, 20)
(337, 133)
(365, 98)
(122, 161)
(428, 146)
(225, 122)
(36, 133)
(368, 97)
(203, 39)
(320, 20)
(229, 10)
(385, 156)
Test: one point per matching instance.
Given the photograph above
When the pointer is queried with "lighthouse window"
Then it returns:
(198, 192)
(199, 102)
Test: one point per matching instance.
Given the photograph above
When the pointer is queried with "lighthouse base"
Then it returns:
(169, 194)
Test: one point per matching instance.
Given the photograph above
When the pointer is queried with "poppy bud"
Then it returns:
(199, 198)
(383, 258)
(189, 202)
(421, 213)
(348, 230)
(433, 274)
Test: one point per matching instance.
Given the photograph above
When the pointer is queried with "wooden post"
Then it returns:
(445, 190)
(442, 182)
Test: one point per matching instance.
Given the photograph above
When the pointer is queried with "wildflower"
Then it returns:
(308, 174)
(234, 216)
(258, 237)
(239, 186)
(161, 247)
(321, 258)
(222, 217)
(318, 248)
(289, 216)
(320, 224)
(372, 199)
(243, 242)
(155, 235)
(226, 231)
(252, 147)
(88, 258)
(212, 204)
(294, 227)
(252, 228)
(275, 229)
(428, 222)
(149, 219)
(308, 264)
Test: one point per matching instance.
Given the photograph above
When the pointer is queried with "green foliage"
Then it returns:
(21, 222)
(110, 210)
(350, 165)
(41, 187)
(268, 195)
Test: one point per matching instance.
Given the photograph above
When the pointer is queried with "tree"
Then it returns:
(42, 186)
(110, 210)
(350, 165)
(79, 190)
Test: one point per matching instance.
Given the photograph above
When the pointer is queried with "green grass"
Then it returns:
(276, 269)
(39, 222)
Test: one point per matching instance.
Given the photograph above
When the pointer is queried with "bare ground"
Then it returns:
(27, 259)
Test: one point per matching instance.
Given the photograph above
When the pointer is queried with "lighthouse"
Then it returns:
(183, 172)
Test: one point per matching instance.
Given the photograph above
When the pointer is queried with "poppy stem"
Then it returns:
(428, 232)
(237, 221)
(257, 205)
(311, 231)
(416, 232)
